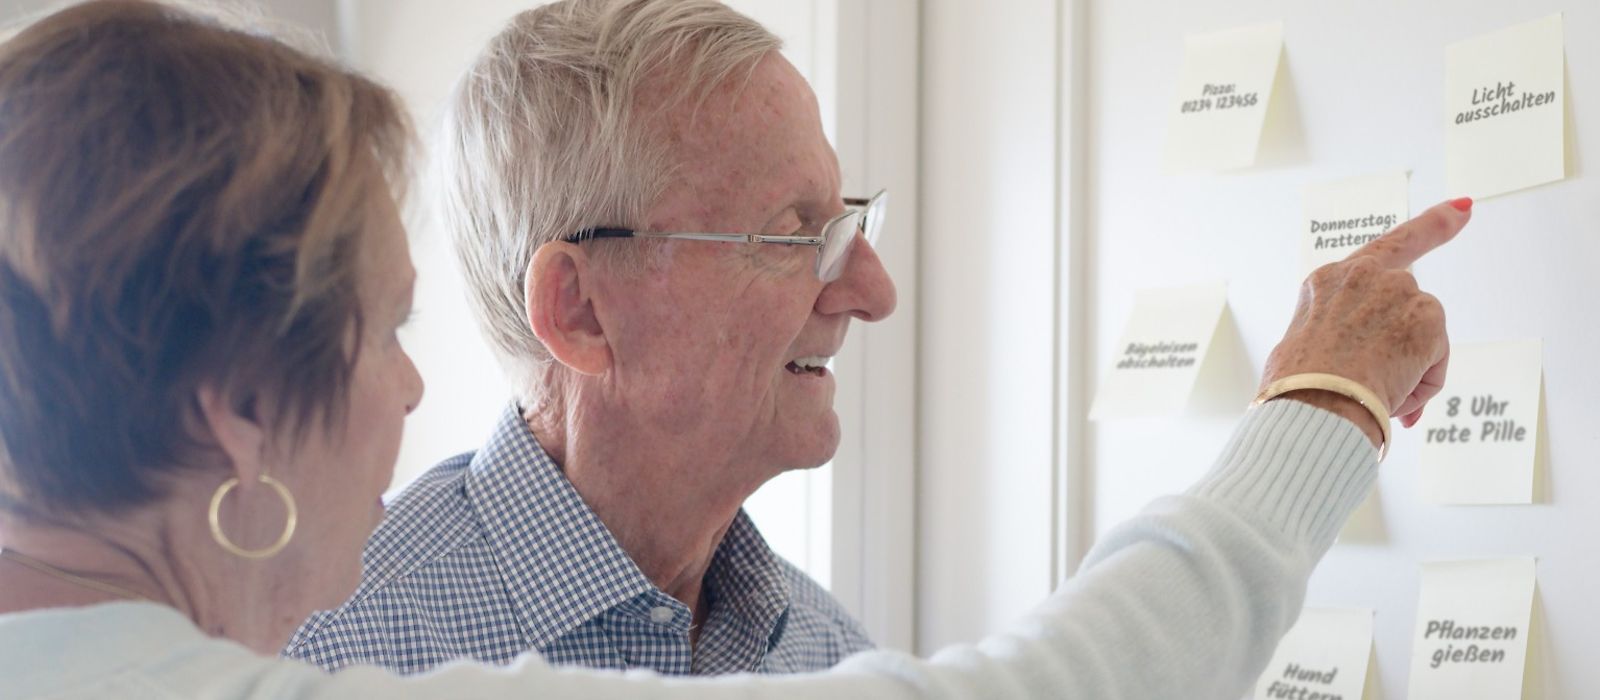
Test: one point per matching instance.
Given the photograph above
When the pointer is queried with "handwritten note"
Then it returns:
(1344, 215)
(1223, 93)
(1472, 629)
(1506, 98)
(1154, 367)
(1481, 434)
(1323, 657)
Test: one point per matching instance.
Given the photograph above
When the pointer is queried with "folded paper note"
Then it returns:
(1324, 655)
(1222, 99)
(1154, 367)
(1344, 215)
(1472, 630)
(1480, 436)
(1505, 98)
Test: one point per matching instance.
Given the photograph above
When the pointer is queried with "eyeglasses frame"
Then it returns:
(862, 206)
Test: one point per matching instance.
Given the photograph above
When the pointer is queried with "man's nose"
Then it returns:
(863, 290)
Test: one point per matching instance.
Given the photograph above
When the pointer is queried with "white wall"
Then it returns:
(321, 17)
(1365, 94)
(16, 9)
(418, 47)
(986, 383)
(1016, 114)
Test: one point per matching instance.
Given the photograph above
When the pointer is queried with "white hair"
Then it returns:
(541, 140)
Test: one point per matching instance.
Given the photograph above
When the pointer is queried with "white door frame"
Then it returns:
(875, 82)
(1072, 508)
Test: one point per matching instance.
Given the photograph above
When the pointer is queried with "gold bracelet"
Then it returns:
(1347, 388)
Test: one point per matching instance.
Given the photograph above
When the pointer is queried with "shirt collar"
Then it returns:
(562, 566)
(747, 577)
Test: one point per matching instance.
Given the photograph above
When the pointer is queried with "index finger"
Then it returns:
(1408, 242)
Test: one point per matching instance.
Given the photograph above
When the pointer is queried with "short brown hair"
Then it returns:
(180, 203)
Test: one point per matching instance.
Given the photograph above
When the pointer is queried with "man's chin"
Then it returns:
(803, 442)
(826, 447)
(799, 456)
(811, 464)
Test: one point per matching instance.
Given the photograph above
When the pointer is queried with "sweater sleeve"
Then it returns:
(1190, 598)
(1186, 600)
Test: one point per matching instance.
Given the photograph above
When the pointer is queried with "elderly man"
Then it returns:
(664, 375)
(651, 223)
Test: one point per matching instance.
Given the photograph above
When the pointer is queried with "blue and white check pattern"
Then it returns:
(493, 554)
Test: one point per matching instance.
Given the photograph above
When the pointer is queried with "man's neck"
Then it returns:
(668, 510)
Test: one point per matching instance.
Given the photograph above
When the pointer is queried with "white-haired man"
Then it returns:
(651, 222)
(661, 381)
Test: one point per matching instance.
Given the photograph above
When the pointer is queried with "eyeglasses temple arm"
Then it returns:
(590, 233)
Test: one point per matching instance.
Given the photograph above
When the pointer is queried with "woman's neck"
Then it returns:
(78, 551)
(132, 557)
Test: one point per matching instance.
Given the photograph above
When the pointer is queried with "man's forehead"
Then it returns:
(771, 97)
(761, 135)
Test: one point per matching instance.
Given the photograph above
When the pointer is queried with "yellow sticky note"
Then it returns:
(1324, 655)
(1222, 98)
(1154, 368)
(1480, 435)
(1505, 97)
(1344, 215)
(1472, 630)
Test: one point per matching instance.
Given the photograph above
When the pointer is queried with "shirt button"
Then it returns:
(661, 614)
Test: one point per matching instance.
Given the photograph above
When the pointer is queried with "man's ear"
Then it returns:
(560, 310)
(236, 430)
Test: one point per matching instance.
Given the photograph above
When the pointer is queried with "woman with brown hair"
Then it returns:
(202, 272)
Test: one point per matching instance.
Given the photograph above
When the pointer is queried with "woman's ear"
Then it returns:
(237, 432)
(560, 308)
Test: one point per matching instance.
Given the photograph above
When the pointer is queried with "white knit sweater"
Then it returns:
(1187, 600)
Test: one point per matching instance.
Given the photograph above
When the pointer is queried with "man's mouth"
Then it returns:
(814, 365)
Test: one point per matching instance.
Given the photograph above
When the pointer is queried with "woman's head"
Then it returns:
(201, 273)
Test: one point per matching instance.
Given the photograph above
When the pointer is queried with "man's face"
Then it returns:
(705, 343)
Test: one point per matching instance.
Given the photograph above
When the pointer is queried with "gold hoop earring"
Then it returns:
(272, 549)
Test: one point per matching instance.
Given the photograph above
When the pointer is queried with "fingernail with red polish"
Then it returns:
(1463, 204)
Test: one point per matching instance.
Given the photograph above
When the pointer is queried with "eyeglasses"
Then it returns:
(863, 217)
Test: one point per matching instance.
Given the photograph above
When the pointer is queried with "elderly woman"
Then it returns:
(202, 272)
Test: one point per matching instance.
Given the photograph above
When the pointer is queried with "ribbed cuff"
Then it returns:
(1298, 468)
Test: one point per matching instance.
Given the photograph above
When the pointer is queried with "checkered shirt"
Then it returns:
(493, 554)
